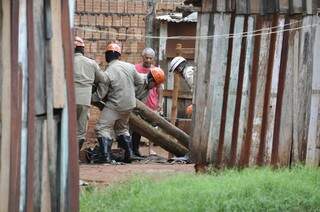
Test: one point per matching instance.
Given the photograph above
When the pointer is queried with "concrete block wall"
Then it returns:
(100, 21)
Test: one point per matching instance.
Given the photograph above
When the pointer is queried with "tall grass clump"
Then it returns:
(260, 189)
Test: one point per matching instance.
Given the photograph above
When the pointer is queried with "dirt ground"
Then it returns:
(106, 174)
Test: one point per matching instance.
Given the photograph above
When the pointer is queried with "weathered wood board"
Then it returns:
(217, 82)
(5, 106)
(57, 58)
(313, 148)
(232, 92)
(260, 92)
(245, 88)
(198, 143)
(273, 93)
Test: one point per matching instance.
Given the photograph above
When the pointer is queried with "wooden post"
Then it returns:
(175, 93)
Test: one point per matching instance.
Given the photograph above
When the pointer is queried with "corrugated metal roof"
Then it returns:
(177, 17)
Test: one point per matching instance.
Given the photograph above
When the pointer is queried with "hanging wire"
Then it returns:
(226, 36)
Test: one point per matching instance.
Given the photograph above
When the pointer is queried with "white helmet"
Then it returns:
(175, 62)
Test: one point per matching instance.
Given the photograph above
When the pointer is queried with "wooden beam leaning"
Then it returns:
(165, 141)
(169, 128)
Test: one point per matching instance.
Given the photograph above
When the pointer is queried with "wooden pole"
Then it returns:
(165, 141)
(176, 88)
(170, 129)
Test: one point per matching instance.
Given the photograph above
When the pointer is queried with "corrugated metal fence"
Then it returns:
(38, 150)
(257, 99)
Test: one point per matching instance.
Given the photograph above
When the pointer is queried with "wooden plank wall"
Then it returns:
(261, 6)
(38, 150)
(259, 100)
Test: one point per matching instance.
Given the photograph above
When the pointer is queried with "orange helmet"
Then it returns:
(158, 75)
(78, 42)
(113, 47)
(189, 110)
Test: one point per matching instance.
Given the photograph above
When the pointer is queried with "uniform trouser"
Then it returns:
(113, 123)
(82, 120)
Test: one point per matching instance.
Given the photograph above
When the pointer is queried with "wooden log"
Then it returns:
(172, 130)
(163, 140)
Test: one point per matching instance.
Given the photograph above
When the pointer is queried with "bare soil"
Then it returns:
(106, 174)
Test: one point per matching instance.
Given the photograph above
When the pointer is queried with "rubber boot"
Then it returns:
(105, 149)
(136, 143)
(126, 144)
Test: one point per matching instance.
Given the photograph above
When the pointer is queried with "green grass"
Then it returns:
(297, 189)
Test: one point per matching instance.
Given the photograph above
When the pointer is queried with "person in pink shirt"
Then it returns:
(155, 96)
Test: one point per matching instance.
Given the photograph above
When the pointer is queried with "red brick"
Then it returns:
(130, 7)
(122, 34)
(94, 47)
(113, 6)
(130, 33)
(88, 35)
(138, 34)
(96, 6)
(144, 7)
(88, 6)
(104, 35)
(116, 20)
(121, 6)
(100, 20)
(104, 6)
(80, 33)
(91, 20)
(138, 7)
(96, 35)
(84, 20)
(108, 21)
(102, 45)
(86, 47)
(134, 47)
(126, 21)
(77, 20)
(141, 45)
(141, 21)
(80, 6)
(134, 21)
(112, 35)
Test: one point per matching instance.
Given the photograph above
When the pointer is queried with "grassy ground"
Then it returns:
(297, 189)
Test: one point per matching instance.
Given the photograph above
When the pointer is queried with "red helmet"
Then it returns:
(158, 75)
(78, 42)
(113, 47)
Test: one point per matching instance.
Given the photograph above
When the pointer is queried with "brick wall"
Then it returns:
(100, 21)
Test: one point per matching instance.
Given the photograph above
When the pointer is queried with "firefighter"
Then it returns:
(179, 64)
(86, 73)
(118, 93)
